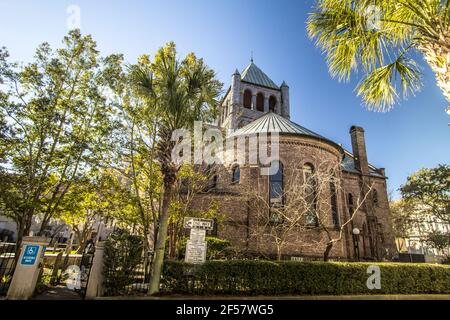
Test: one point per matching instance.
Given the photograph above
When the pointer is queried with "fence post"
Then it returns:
(28, 268)
(95, 282)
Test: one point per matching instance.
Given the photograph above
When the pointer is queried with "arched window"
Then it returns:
(247, 99)
(310, 194)
(225, 110)
(276, 186)
(272, 103)
(350, 199)
(224, 113)
(375, 197)
(260, 102)
(334, 207)
(236, 175)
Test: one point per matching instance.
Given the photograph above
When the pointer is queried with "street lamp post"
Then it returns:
(356, 233)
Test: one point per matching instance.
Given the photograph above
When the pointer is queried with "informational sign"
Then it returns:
(198, 223)
(29, 255)
(197, 235)
(195, 252)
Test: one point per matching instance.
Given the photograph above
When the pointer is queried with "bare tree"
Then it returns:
(304, 211)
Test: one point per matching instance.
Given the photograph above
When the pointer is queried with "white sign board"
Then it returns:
(198, 223)
(197, 235)
(195, 252)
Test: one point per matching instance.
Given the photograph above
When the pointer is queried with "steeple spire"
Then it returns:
(251, 57)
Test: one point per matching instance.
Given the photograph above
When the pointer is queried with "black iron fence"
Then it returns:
(131, 282)
(85, 271)
(7, 265)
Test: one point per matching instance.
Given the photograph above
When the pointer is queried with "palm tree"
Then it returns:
(378, 38)
(182, 92)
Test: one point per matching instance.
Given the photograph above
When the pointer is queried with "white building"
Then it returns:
(418, 233)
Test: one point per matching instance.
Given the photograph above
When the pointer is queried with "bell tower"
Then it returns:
(251, 95)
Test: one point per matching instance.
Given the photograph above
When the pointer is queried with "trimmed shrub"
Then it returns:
(257, 277)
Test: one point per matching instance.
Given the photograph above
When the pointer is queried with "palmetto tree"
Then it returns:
(379, 37)
(182, 92)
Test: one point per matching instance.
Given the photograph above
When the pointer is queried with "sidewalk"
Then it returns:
(58, 293)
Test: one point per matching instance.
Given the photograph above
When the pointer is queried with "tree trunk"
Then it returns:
(169, 180)
(20, 234)
(438, 58)
(326, 254)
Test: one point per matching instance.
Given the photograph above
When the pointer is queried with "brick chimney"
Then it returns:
(359, 149)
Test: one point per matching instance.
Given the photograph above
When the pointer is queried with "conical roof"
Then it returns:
(274, 123)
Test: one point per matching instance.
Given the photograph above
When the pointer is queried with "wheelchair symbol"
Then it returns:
(31, 250)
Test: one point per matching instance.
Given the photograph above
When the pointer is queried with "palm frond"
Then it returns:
(379, 90)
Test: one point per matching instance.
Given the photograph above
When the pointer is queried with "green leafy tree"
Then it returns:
(380, 39)
(429, 189)
(191, 180)
(183, 91)
(439, 240)
(404, 217)
(135, 152)
(86, 203)
(55, 115)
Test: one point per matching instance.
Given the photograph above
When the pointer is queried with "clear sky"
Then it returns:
(225, 32)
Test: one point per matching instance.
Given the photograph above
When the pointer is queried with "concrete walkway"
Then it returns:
(58, 293)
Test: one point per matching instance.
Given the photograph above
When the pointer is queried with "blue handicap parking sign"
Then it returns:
(30, 255)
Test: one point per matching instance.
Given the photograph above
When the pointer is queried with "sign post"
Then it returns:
(196, 245)
(28, 268)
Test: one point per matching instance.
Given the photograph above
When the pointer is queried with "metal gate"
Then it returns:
(7, 266)
(85, 270)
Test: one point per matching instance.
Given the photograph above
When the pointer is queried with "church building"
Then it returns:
(353, 204)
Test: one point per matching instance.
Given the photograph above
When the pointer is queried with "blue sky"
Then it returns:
(414, 135)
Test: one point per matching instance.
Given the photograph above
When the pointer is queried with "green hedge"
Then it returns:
(256, 277)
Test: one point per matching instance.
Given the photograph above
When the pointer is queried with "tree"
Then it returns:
(84, 205)
(429, 189)
(183, 91)
(379, 39)
(135, 152)
(440, 241)
(404, 217)
(307, 214)
(191, 181)
(56, 114)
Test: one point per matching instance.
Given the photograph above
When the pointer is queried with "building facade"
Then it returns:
(416, 238)
(356, 209)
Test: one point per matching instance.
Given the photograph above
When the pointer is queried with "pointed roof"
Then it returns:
(255, 75)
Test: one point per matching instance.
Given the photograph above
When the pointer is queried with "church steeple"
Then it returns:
(254, 75)
(253, 94)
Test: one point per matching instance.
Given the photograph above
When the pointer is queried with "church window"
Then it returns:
(350, 199)
(310, 194)
(272, 103)
(375, 197)
(260, 102)
(236, 175)
(334, 208)
(276, 186)
(247, 99)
